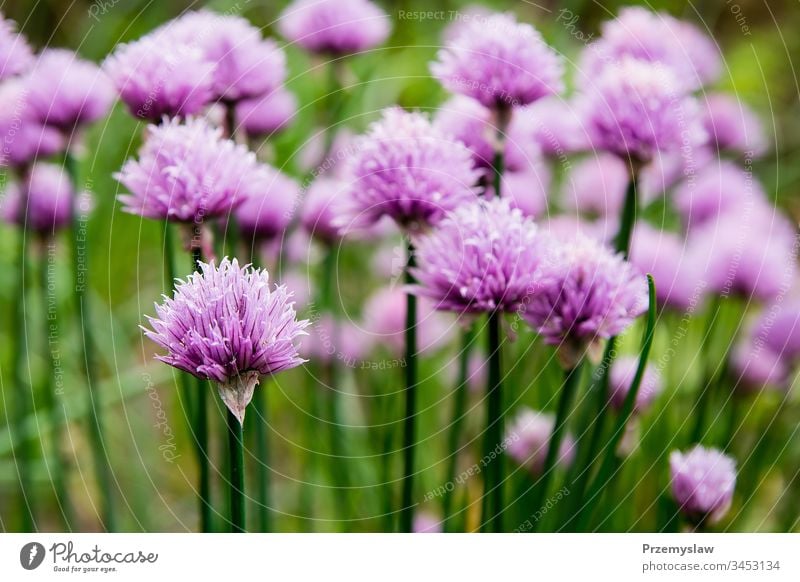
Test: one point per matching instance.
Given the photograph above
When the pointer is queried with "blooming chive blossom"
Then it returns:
(555, 125)
(635, 109)
(528, 438)
(779, 330)
(246, 65)
(756, 367)
(65, 90)
(596, 185)
(585, 293)
(188, 173)
(16, 56)
(732, 125)
(23, 137)
(703, 481)
(483, 257)
(410, 171)
(48, 195)
(621, 378)
(335, 27)
(267, 115)
(322, 209)
(157, 76)
(270, 206)
(226, 325)
(499, 62)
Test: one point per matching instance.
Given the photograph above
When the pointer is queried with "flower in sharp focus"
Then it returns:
(24, 138)
(499, 62)
(66, 91)
(335, 27)
(622, 372)
(267, 115)
(528, 437)
(636, 109)
(48, 195)
(186, 172)
(16, 56)
(484, 256)
(269, 207)
(157, 76)
(226, 325)
(246, 64)
(407, 169)
(702, 481)
(585, 293)
(731, 125)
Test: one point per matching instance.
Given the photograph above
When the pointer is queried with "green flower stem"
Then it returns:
(83, 311)
(492, 519)
(711, 380)
(456, 423)
(622, 241)
(572, 377)
(503, 119)
(607, 467)
(410, 419)
(236, 473)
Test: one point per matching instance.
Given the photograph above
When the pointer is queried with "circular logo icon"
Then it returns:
(31, 555)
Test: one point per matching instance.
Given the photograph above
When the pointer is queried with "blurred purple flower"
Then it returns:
(188, 173)
(16, 56)
(556, 125)
(267, 115)
(756, 367)
(224, 324)
(499, 62)
(732, 125)
(596, 185)
(622, 372)
(528, 436)
(270, 205)
(717, 189)
(425, 522)
(23, 137)
(335, 27)
(527, 190)
(703, 481)
(324, 204)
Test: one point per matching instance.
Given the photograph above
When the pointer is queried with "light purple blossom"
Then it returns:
(66, 91)
(188, 173)
(596, 185)
(23, 137)
(270, 205)
(267, 115)
(732, 125)
(527, 190)
(324, 204)
(717, 189)
(158, 76)
(778, 330)
(499, 62)
(335, 27)
(555, 125)
(407, 169)
(425, 522)
(16, 56)
(484, 256)
(528, 437)
(703, 482)
(622, 372)
(226, 325)
(756, 367)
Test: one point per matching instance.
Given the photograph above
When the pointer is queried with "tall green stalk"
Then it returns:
(263, 459)
(236, 473)
(492, 519)
(622, 241)
(83, 305)
(410, 419)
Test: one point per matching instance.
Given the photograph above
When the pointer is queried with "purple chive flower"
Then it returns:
(322, 209)
(24, 139)
(621, 378)
(384, 322)
(778, 330)
(408, 170)
(528, 436)
(655, 37)
(66, 91)
(732, 125)
(718, 188)
(335, 27)
(499, 62)
(330, 340)
(757, 367)
(267, 115)
(477, 372)
(703, 481)
(666, 169)
(158, 76)
(49, 198)
(680, 284)
(566, 227)
(16, 56)
(425, 522)
(585, 293)
(188, 173)
(246, 64)
(555, 125)
(483, 257)
(596, 185)
(527, 190)
(270, 206)
(636, 108)
(226, 325)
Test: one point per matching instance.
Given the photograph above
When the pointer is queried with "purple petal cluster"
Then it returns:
(621, 378)
(596, 185)
(499, 62)
(270, 205)
(528, 436)
(65, 91)
(483, 257)
(731, 125)
(267, 115)
(719, 188)
(16, 56)
(325, 202)
(186, 172)
(555, 125)
(225, 324)
(335, 27)
(703, 481)
(24, 139)
(407, 169)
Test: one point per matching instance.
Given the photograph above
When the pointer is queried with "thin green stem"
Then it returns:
(236, 473)
(570, 387)
(80, 259)
(503, 115)
(456, 423)
(492, 519)
(409, 421)
(622, 241)
(263, 459)
(709, 380)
